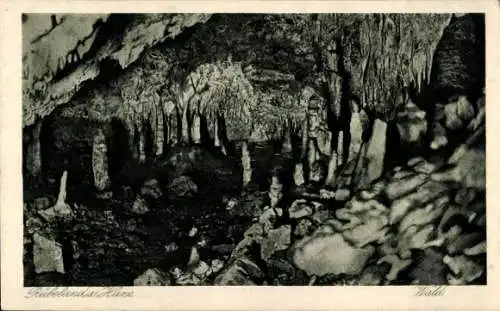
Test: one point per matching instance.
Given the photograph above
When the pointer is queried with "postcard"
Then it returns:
(254, 155)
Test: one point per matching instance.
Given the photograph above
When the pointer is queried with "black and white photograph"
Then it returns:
(253, 149)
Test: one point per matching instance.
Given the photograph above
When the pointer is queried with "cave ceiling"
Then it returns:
(106, 51)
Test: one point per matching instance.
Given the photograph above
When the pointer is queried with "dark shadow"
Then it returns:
(118, 149)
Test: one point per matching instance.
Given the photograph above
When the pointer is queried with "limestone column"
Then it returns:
(102, 181)
(196, 128)
(33, 152)
(246, 163)
(160, 132)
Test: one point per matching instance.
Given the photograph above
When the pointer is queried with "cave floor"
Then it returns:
(105, 244)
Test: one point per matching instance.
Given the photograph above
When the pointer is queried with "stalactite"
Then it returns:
(246, 164)
(153, 124)
(102, 181)
(160, 132)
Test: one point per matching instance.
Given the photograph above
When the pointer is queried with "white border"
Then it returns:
(226, 298)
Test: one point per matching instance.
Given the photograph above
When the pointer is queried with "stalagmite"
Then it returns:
(340, 149)
(196, 128)
(160, 132)
(102, 181)
(171, 114)
(220, 134)
(142, 146)
(61, 197)
(375, 153)
(332, 170)
(287, 141)
(356, 130)
(217, 142)
(131, 140)
(246, 163)
(61, 209)
(298, 174)
(33, 155)
(185, 126)
(275, 193)
(312, 155)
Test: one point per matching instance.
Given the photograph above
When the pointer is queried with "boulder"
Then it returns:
(417, 237)
(399, 175)
(342, 194)
(397, 265)
(477, 249)
(300, 209)
(458, 113)
(242, 271)
(47, 255)
(256, 231)
(202, 270)
(152, 277)
(469, 169)
(424, 167)
(276, 240)
(369, 231)
(330, 254)
(468, 269)
(464, 241)
(151, 188)
(358, 205)
(400, 187)
(33, 224)
(304, 227)
(41, 203)
(188, 279)
(373, 275)
(425, 214)
(425, 194)
(367, 195)
(140, 206)
(411, 124)
(465, 196)
(182, 186)
(216, 265)
(61, 211)
(326, 194)
(321, 216)
(439, 138)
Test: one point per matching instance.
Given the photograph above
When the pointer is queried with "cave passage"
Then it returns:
(254, 149)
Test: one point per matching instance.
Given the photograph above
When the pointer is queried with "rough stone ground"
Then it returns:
(154, 228)
(421, 223)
